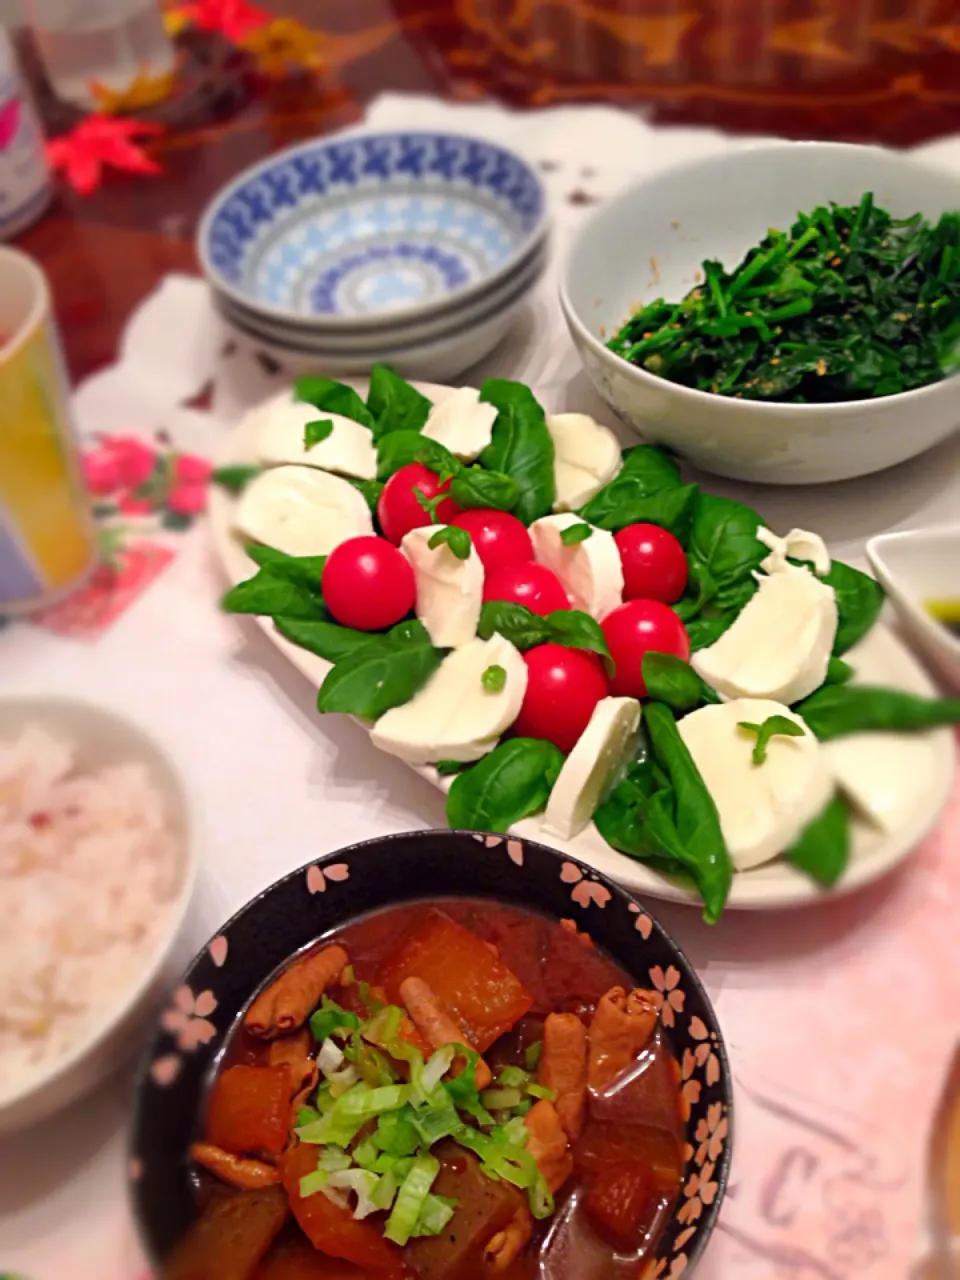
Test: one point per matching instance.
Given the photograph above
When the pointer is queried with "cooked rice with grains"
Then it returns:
(90, 869)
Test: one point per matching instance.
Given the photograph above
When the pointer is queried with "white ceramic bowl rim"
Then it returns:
(631, 194)
(155, 963)
(537, 232)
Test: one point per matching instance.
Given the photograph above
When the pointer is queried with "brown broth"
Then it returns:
(564, 972)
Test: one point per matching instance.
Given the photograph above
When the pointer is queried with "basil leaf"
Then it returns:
(371, 490)
(394, 403)
(574, 534)
(724, 539)
(307, 570)
(475, 487)
(772, 727)
(316, 432)
(674, 682)
(700, 844)
(333, 397)
(703, 632)
(651, 467)
(521, 446)
(494, 678)
(823, 849)
(458, 540)
(859, 601)
(836, 710)
(699, 591)
(838, 672)
(328, 639)
(268, 595)
(510, 783)
(382, 674)
(289, 585)
(735, 594)
(234, 478)
(447, 768)
(621, 503)
(399, 448)
(577, 630)
(515, 622)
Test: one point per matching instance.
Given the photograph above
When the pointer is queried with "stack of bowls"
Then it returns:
(416, 249)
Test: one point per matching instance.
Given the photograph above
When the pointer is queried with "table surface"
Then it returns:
(861, 70)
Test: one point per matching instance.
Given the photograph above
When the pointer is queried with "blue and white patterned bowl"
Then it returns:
(372, 230)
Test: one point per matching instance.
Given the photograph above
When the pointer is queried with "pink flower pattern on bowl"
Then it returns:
(187, 1019)
(585, 890)
(667, 994)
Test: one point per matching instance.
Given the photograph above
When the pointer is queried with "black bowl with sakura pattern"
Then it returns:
(430, 865)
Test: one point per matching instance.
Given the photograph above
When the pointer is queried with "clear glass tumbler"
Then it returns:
(109, 42)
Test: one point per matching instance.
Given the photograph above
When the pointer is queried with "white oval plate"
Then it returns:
(879, 659)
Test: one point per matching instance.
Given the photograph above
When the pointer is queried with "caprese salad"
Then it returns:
(568, 629)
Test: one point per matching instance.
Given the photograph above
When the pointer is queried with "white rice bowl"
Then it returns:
(96, 874)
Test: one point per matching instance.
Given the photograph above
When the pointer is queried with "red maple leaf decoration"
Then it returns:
(100, 142)
(234, 19)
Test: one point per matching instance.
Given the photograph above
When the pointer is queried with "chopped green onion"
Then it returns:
(383, 1027)
(307, 1115)
(523, 1106)
(365, 1153)
(516, 1131)
(351, 1111)
(438, 1066)
(396, 1133)
(330, 1018)
(541, 1091)
(514, 1077)
(411, 1199)
(385, 1191)
(311, 1183)
(501, 1158)
(333, 1159)
(439, 1120)
(434, 1216)
(362, 1183)
(533, 1055)
(501, 1099)
(463, 1087)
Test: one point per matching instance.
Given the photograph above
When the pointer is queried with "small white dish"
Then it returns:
(916, 567)
(104, 738)
(925, 767)
(649, 241)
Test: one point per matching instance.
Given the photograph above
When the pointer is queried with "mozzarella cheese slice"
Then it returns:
(449, 590)
(882, 774)
(281, 422)
(780, 644)
(462, 423)
(763, 808)
(454, 717)
(601, 751)
(590, 571)
(301, 512)
(587, 456)
(799, 544)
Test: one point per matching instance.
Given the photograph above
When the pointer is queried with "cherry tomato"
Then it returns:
(398, 509)
(654, 565)
(563, 688)
(499, 537)
(636, 628)
(368, 583)
(526, 583)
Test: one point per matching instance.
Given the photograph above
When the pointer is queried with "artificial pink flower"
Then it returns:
(187, 499)
(100, 473)
(189, 469)
(135, 460)
(131, 506)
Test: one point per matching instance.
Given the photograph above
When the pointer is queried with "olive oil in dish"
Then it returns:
(946, 611)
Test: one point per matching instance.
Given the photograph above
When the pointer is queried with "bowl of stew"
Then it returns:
(441, 1055)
